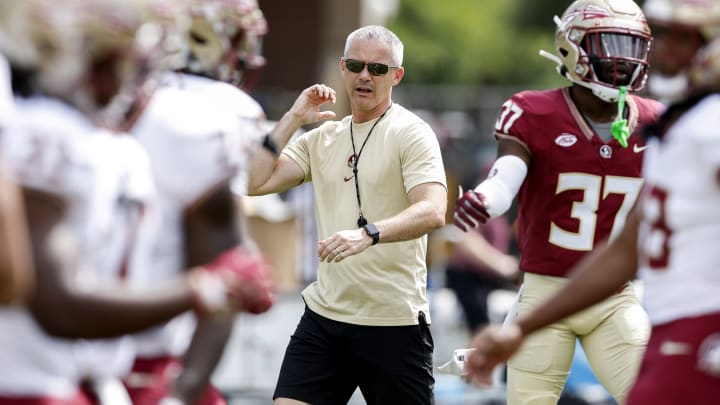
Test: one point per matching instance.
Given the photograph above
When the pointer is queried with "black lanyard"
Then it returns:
(361, 219)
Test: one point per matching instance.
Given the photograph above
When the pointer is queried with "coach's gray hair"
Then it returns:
(381, 33)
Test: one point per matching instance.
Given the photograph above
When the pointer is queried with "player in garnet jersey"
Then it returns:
(576, 183)
(670, 238)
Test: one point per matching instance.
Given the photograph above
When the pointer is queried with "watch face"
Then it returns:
(373, 232)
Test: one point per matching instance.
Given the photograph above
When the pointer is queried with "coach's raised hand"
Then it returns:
(306, 108)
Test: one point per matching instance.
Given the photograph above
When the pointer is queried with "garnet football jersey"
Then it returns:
(680, 227)
(578, 189)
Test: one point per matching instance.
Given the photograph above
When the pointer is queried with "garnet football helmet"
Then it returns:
(677, 73)
(225, 39)
(603, 45)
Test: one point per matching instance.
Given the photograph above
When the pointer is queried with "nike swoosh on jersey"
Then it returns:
(670, 348)
(638, 149)
(348, 178)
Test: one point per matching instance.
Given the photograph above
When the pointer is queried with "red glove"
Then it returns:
(470, 210)
(236, 280)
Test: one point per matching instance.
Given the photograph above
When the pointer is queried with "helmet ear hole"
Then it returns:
(198, 39)
(563, 52)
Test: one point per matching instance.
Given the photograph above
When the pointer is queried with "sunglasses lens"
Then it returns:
(377, 69)
(355, 66)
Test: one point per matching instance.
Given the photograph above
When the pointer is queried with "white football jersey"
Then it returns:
(122, 211)
(106, 182)
(198, 133)
(680, 229)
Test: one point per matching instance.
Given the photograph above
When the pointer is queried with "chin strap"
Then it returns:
(554, 58)
(559, 66)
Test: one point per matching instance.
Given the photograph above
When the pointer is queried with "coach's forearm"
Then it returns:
(425, 214)
(264, 159)
(414, 222)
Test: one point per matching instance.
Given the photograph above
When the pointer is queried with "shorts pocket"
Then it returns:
(425, 334)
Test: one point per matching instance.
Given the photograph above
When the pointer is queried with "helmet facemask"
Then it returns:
(616, 59)
(225, 40)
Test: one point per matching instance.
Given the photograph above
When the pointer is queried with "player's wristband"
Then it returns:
(270, 145)
(503, 183)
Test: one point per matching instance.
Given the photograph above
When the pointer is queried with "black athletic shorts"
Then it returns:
(327, 360)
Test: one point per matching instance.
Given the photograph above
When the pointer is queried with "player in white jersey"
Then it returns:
(56, 152)
(198, 126)
(78, 186)
(671, 239)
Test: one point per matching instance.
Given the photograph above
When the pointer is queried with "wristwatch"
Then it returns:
(372, 232)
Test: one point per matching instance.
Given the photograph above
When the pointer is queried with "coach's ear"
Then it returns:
(398, 75)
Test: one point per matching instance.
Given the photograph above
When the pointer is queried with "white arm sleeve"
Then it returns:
(504, 180)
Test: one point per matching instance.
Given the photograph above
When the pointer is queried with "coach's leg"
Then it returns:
(313, 370)
(394, 363)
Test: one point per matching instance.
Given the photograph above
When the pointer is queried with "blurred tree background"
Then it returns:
(476, 42)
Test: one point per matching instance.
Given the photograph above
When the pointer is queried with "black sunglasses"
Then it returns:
(374, 68)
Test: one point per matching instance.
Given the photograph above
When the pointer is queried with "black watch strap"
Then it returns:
(373, 232)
